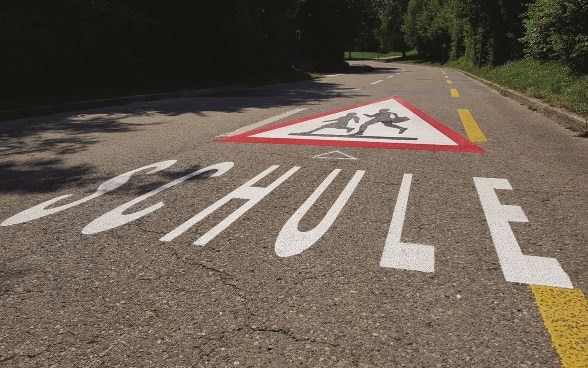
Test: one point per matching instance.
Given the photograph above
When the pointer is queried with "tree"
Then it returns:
(330, 26)
(502, 26)
(69, 42)
(424, 27)
(390, 14)
(558, 30)
(481, 31)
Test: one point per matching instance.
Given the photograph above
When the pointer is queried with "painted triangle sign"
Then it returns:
(390, 123)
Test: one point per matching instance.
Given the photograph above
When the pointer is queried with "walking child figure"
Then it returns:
(339, 123)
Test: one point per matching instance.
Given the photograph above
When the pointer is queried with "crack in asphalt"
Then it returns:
(149, 314)
(314, 277)
(224, 277)
(22, 355)
(220, 337)
(287, 332)
(231, 281)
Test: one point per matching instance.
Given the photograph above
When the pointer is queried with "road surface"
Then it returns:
(239, 230)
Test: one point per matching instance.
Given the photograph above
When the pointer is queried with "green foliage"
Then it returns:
(484, 32)
(388, 27)
(552, 82)
(69, 41)
(78, 43)
(424, 28)
(73, 44)
(558, 30)
(329, 27)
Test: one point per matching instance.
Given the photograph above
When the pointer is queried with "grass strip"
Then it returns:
(551, 82)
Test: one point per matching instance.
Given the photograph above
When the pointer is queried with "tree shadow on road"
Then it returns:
(43, 175)
(260, 97)
(32, 151)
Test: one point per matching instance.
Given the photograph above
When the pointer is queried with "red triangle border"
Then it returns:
(463, 144)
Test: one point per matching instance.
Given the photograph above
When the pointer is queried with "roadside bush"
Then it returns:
(550, 81)
(558, 30)
(68, 42)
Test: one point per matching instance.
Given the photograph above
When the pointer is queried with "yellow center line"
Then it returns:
(454, 92)
(565, 314)
(473, 131)
(447, 76)
(449, 82)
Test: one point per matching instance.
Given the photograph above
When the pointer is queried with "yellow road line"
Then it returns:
(565, 314)
(447, 76)
(454, 92)
(473, 131)
(449, 82)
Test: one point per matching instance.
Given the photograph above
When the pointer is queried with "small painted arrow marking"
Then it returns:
(335, 155)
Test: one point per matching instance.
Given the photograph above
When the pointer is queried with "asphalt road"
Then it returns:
(300, 252)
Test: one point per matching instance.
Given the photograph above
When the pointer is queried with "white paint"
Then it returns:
(378, 81)
(516, 266)
(333, 75)
(334, 155)
(247, 191)
(415, 125)
(116, 217)
(41, 210)
(291, 241)
(405, 256)
(261, 123)
(390, 76)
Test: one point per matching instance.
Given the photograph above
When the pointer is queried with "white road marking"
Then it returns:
(334, 155)
(292, 241)
(516, 266)
(405, 256)
(390, 76)
(117, 217)
(333, 75)
(376, 82)
(259, 124)
(41, 210)
(247, 191)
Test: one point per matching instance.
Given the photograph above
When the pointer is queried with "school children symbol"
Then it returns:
(389, 123)
(354, 127)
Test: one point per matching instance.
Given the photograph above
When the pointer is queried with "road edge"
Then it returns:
(115, 101)
(563, 117)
